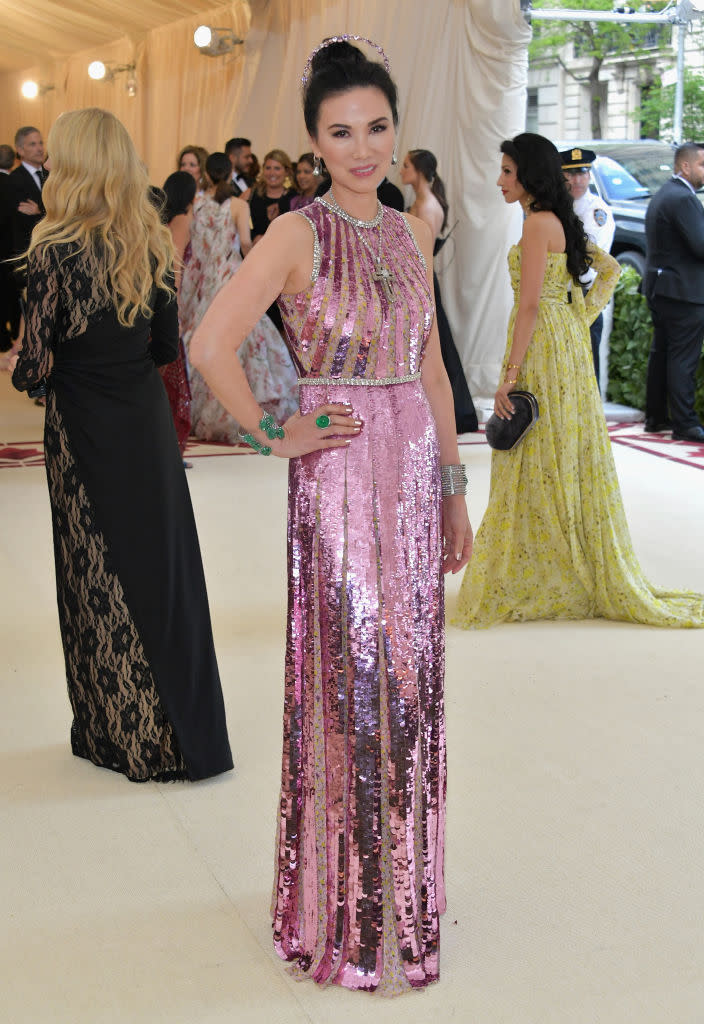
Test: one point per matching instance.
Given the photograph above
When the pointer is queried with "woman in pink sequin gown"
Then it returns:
(359, 882)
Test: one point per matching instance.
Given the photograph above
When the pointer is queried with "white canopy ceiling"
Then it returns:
(33, 30)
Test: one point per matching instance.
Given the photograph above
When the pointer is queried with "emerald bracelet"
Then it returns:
(272, 430)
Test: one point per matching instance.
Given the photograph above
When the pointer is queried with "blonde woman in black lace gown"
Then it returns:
(101, 316)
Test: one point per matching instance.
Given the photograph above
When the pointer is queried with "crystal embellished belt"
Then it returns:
(366, 381)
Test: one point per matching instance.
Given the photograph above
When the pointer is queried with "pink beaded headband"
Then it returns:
(342, 39)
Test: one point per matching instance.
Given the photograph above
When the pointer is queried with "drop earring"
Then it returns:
(316, 166)
(394, 158)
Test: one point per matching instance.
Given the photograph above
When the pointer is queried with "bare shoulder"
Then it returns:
(421, 232)
(289, 241)
(291, 228)
(541, 224)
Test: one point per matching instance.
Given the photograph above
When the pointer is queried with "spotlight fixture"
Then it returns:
(100, 72)
(97, 70)
(31, 89)
(214, 42)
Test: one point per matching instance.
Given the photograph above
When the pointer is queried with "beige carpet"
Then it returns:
(576, 797)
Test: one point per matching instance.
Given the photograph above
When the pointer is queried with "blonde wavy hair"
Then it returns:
(97, 196)
(282, 158)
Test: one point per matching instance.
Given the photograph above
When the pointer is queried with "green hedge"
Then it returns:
(629, 346)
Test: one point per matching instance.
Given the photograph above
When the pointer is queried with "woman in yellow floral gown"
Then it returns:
(554, 542)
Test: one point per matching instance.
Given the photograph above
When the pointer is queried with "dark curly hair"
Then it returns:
(540, 172)
(337, 68)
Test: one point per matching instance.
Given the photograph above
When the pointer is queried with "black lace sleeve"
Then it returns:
(164, 342)
(34, 360)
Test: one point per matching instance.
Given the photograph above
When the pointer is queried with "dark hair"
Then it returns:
(337, 68)
(540, 172)
(22, 133)
(426, 164)
(687, 151)
(306, 158)
(180, 191)
(233, 145)
(7, 157)
(219, 170)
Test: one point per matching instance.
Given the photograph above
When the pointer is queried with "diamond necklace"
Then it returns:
(381, 274)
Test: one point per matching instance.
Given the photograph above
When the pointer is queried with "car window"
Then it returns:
(618, 182)
(649, 163)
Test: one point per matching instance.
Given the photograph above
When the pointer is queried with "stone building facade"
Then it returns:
(558, 105)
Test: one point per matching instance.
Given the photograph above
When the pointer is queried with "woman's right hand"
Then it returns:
(303, 435)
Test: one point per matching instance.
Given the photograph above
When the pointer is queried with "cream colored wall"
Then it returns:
(460, 66)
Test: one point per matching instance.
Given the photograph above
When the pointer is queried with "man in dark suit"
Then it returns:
(240, 153)
(26, 182)
(674, 287)
(9, 292)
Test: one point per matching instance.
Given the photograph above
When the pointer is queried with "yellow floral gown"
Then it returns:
(554, 542)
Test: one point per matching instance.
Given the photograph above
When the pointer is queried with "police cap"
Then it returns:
(577, 159)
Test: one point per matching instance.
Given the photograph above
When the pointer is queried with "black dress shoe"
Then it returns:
(653, 426)
(695, 434)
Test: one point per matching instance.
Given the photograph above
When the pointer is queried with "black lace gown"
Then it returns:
(140, 664)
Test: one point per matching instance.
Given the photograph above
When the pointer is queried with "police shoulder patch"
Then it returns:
(600, 217)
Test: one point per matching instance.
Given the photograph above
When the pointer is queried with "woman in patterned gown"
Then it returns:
(359, 882)
(219, 230)
(554, 542)
(101, 316)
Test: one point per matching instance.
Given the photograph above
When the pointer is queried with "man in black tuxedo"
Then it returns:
(674, 287)
(9, 292)
(240, 153)
(26, 182)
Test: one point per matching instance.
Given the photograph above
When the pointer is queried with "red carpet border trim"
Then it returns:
(30, 453)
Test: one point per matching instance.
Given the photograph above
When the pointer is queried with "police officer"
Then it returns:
(597, 219)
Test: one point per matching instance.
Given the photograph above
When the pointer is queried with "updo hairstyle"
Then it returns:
(336, 69)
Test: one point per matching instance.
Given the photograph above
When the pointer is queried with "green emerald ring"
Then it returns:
(322, 421)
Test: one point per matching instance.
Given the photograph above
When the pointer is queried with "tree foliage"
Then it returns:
(656, 112)
(591, 40)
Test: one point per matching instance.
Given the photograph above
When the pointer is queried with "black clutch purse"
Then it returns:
(506, 434)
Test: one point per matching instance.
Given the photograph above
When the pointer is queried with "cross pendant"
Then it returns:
(386, 278)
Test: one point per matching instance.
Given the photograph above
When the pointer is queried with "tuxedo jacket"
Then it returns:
(674, 229)
(24, 186)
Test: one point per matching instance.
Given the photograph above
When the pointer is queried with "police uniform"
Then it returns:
(599, 227)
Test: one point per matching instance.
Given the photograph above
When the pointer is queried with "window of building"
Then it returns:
(532, 111)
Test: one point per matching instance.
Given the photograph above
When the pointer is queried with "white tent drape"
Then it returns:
(460, 66)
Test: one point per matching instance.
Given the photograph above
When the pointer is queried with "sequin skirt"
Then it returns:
(359, 882)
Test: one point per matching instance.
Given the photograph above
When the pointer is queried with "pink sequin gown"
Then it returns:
(359, 876)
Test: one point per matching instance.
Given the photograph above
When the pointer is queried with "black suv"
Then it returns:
(625, 175)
